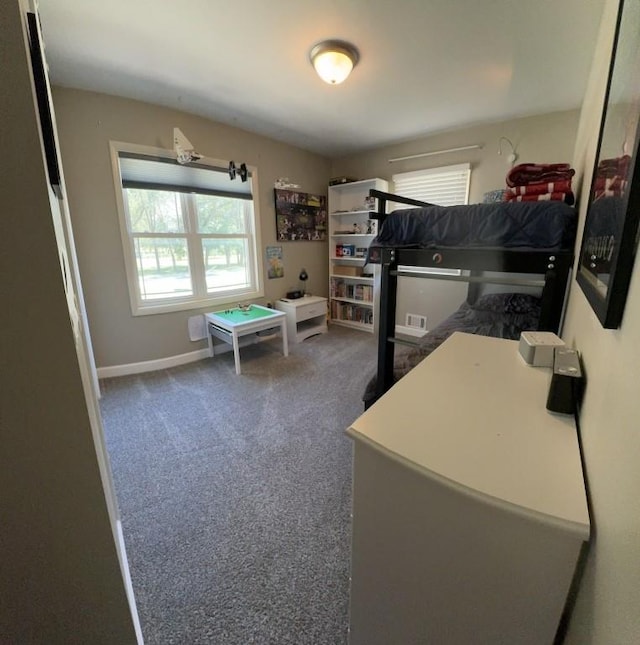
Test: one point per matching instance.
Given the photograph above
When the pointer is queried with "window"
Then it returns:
(188, 232)
(444, 186)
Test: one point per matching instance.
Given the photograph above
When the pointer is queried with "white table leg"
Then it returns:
(209, 340)
(285, 341)
(236, 352)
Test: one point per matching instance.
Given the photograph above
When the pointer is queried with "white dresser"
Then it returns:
(306, 316)
(469, 505)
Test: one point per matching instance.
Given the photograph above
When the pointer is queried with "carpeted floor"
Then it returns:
(235, 491)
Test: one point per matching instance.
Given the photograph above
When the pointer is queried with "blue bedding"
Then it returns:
(515, 225)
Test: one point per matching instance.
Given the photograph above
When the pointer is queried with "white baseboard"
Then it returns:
(174, 361)
(410, 331)
(151, 366)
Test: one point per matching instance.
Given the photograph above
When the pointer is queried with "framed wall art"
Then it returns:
(275, 263)
(300, 217)
(38, 65)
(610, 237)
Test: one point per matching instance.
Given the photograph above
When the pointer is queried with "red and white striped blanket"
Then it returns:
(566, 197)
(611, 177)
(540, 188)
(530, 173)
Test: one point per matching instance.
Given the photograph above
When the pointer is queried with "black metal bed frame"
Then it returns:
(553, 266)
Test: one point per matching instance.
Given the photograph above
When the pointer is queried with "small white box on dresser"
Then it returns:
(306, 316)
(537, 347)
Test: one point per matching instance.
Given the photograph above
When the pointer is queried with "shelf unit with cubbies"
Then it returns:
(353, 299)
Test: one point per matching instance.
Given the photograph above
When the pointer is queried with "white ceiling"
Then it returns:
(425, 65)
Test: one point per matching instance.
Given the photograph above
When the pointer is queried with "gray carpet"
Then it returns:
(235, 491)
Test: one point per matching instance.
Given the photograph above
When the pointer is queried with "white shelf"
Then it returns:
(348, 208)
(341, 213)
(353, 301)
(355, 278)
(353, 324)
(308, 328)
(353, 235)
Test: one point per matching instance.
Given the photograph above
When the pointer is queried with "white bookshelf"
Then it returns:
(353, 299)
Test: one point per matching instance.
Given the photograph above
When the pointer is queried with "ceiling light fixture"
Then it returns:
(334, 60)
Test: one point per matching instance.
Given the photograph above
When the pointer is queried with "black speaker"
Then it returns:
(567, 382)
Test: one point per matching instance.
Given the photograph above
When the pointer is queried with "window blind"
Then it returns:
(445, 186)
(154, 173)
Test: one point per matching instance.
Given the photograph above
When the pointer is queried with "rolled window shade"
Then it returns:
(155, 173)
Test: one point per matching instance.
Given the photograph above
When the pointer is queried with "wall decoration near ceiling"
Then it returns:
(300, 217)
(610, 237)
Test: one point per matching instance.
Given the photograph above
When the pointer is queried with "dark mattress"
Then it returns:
(501, 315)
(526, 225)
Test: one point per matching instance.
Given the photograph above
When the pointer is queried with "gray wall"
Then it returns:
(607, 609)
(542, 138)
(545, 138)
(87, 122)
(60, 579)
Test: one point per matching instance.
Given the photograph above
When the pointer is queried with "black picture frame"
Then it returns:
(300, 217)
(44, 107)
(610, 237)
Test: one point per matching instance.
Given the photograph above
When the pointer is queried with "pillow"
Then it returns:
(508, 303)
(493, 196)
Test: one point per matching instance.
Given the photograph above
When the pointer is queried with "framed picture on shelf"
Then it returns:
(300, 217)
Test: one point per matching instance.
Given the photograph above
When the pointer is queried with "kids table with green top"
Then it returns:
(229, 324)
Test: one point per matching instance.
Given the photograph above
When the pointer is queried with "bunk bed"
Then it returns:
(517, 244)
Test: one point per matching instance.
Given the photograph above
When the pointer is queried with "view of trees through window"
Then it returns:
(188, 244)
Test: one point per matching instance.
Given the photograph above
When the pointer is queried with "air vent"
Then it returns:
(416, 321)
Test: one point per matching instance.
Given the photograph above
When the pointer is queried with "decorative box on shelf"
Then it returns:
(345, 250)
(351, 271)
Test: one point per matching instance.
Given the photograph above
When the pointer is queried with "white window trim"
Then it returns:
(142, 308)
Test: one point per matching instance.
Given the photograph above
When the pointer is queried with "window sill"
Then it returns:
(217, 302)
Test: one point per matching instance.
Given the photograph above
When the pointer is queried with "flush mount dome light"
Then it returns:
(334, 60)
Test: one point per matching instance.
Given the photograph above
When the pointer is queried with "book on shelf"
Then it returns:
(345, 250)
(354, 291)
(351, 313)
